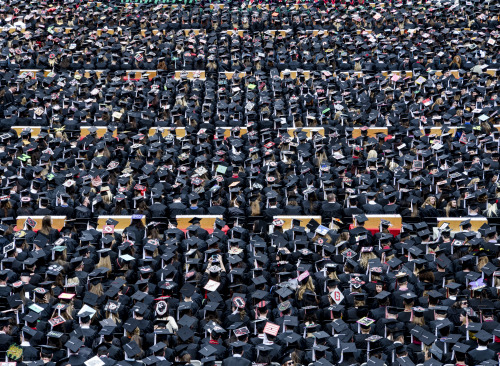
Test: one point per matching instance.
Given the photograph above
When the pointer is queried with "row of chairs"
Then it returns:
(180, 132)
(200, 74)
(208, 221)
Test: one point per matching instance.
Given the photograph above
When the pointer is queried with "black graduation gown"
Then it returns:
(176, 208)
(158, 210)
(236, 361)
(5, 341)
(391, 209)
(30, 353)
(194, 211)
(478, 356)
(373, 209)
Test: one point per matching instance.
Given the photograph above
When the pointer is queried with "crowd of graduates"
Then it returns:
(331, 112)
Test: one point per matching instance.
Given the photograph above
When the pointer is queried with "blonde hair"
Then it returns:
(427, 202)
(448, 208)
(104, 262)
(68, 312)
(326, 238)
(372, 154)
(255, 207)
(418, 320)
(97, 289)
(303, 288)
(481, 262)
(108, 197)
(365, 258)
(332, 276)
(492, 210)
(473, 182)
(321, 158)
(358, 303)
(393, 166)
(135, 333)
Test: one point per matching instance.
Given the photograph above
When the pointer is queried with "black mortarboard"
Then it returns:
(292, 337)
(131, 324)
(185, 333)
(208, 350)
(404, 361)
(187, 290)
(29, 331)
(284, 292)
(73, 344)
(187, 321)
(361, 218)
(158, 346)
(131, 349)
(382, 295)
(483, 335)
(373, 361)
(460, 347)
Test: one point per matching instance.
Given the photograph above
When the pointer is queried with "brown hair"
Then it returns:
(255, 207)
(46, 225)
(308, 286)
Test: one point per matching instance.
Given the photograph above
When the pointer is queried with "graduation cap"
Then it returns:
(284, 292)
(30, 222)
(292, 337)
(360, 218)
(474, 327)
(408, 296)
(208, 350)
(404, 361)
(464, 224)
(73, 344)
(460, 347)
(394, 262)
(312, 225)
(131, 324)
(185, 333)
(483, 336)
(131, 349)
(106, 331)
(187, 290)
(373, 361)
(488, 269)
(187, 321)
(436, 351)
(157, 347)
(31, 317)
